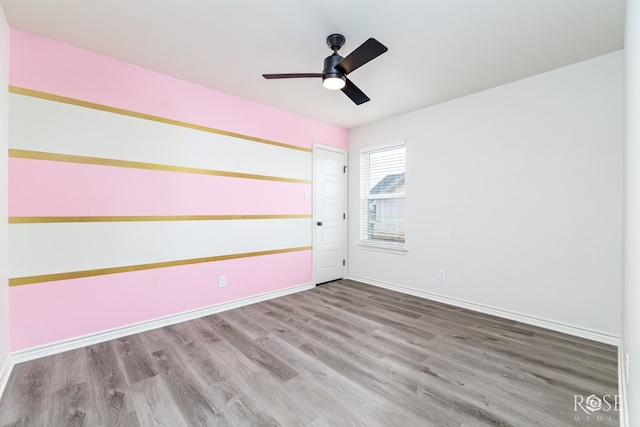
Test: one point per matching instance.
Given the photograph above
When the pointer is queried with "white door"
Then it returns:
(329, 190)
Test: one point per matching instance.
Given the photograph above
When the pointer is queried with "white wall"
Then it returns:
(631, 286)
(515, 191)
(4, 136)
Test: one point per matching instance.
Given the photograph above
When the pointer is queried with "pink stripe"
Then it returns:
(49, 312)
(42, 64)
(44, 188)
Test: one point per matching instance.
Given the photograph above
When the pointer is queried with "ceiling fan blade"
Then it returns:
(291, 75)
(367, 51)
(355, 94)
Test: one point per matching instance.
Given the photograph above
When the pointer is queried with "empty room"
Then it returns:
(291, 213)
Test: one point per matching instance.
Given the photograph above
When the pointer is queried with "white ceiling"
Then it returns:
(438, 49)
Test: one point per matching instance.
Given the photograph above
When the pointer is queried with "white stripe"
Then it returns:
(50, 248)
(42, 125)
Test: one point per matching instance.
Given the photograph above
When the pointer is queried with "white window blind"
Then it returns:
(382, 195)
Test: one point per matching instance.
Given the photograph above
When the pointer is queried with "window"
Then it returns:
(382, 207)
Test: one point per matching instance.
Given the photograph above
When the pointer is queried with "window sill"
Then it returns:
(383, 248)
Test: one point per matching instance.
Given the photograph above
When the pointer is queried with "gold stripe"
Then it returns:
(134, 218)
(70, 158)
(72, 101)
(20, 281)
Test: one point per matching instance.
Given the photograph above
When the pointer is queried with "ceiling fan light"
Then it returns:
(334, 82)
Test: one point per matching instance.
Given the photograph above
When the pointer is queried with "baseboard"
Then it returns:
(506, 314)
(5, 372)
(90, 339)
(622, 387)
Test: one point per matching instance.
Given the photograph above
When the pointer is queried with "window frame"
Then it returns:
(363, 243)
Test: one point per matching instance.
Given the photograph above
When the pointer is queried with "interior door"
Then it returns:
(329, 191)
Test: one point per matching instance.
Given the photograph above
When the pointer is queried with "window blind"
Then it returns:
(382, 195)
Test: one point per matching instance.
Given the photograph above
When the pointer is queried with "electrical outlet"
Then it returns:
(626, 368)
(222, 281)
(442, 275)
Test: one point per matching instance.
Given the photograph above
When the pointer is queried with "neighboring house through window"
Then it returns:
(382, 196)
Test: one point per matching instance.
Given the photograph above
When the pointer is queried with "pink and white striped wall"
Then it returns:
(130, 192)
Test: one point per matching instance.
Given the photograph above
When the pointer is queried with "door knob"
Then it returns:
(319, 223)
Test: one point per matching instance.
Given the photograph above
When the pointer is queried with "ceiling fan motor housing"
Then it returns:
(330, 72)
(329, 66)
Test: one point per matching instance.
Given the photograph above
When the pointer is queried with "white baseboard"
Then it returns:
(622, 387)
(506, 314)
(98, 337)
(5, 372)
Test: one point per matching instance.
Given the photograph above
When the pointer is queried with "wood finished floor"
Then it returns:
(342, 354)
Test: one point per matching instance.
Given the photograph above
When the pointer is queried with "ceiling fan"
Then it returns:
(336, 68)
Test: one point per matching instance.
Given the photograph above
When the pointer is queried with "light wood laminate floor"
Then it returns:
(342, 354)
